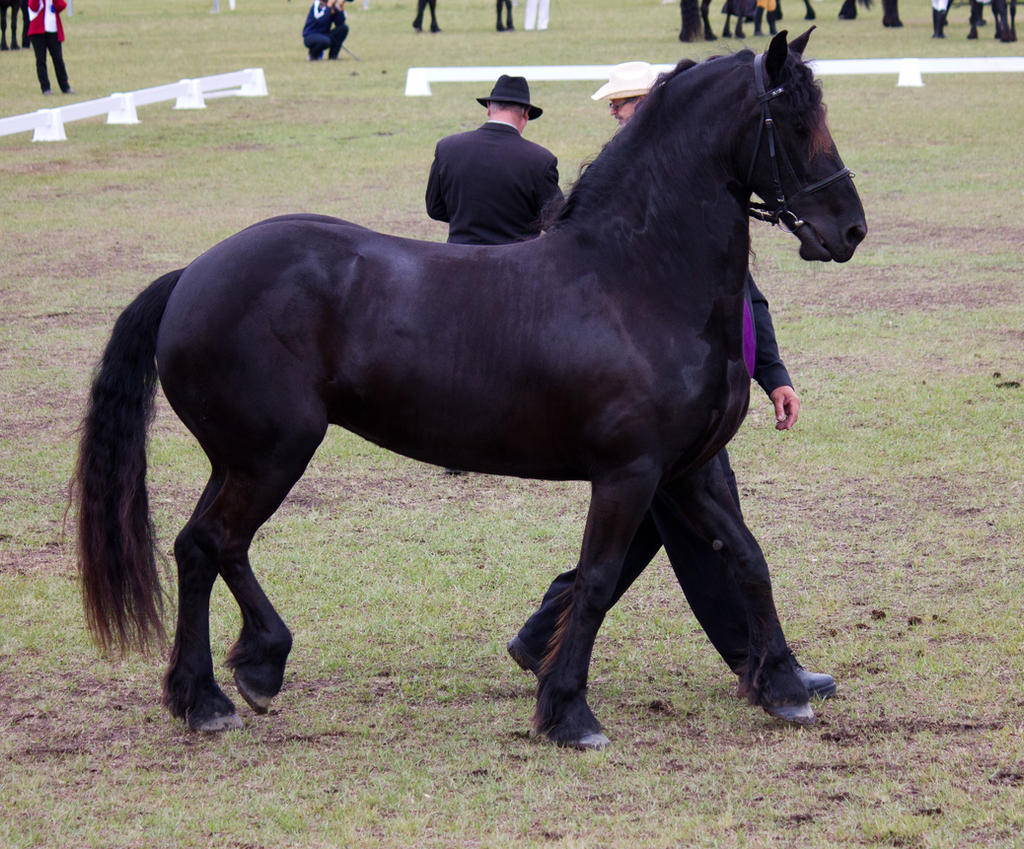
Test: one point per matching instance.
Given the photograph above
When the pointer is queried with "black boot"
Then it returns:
(938, 21)
(758, 17)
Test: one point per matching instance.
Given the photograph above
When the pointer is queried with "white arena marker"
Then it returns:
(191, 97)
(120, 108)
(909, 70)
(124, 110)
(417, 83)
(52, 129)
(910, 73)
(255, 84)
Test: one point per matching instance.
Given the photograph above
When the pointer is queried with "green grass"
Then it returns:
(892, 516)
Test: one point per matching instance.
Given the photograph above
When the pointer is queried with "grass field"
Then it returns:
(892, 515)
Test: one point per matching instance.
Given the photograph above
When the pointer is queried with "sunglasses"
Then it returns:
(616, 105)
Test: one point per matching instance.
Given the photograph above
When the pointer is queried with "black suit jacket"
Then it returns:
(490, 185)
(769, 370)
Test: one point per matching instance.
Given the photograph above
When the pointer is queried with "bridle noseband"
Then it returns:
(780, 213)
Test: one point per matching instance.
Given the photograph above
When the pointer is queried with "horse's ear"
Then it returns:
(776, 55)
(798, 44)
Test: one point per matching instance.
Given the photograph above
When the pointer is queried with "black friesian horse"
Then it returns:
(607, 350)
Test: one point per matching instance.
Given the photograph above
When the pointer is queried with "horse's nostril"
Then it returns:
(855, 234)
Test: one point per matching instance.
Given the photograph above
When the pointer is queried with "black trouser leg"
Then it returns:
(316, 43)
(711, 591)
(338, 35)
(39, 46)
(57, 54)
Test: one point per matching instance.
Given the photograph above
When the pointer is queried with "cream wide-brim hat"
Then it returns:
(630, 79)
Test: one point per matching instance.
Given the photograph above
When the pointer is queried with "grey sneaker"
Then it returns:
(818, 684)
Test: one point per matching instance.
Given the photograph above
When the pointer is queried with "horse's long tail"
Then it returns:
(121, 588)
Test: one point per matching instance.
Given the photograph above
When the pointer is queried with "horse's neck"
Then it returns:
(660, 228)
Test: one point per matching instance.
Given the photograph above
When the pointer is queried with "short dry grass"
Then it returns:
(892, 515)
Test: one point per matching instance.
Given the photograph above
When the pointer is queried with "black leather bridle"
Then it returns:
(780, 213)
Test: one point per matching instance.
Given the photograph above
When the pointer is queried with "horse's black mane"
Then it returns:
(600, 181)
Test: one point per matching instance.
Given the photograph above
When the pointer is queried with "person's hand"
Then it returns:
(787, 407)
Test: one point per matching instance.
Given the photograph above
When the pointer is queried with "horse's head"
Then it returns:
(793, 162)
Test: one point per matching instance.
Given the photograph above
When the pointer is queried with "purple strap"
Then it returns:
(749, 339)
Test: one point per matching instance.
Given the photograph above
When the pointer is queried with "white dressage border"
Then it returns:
(908, 70)
(48, 124)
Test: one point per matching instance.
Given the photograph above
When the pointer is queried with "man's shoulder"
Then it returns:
(457, 139)
(539, 149)
(511, 137)
(489, 139)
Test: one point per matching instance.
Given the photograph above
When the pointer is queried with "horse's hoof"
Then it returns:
(217, 722)
(593, 742)
(259, 702)
(798, 714)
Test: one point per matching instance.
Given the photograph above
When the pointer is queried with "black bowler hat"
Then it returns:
(512, 90)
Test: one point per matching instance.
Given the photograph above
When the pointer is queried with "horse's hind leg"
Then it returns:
(190, 691)
(216, 541)
(259, 655)
(709, 33)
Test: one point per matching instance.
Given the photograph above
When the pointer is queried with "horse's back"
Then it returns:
(310, 320)
(507, 359)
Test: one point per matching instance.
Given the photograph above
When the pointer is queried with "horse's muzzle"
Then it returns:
(814, 248)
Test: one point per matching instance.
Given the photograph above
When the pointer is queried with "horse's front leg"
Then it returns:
(616, 509)
(768, 678)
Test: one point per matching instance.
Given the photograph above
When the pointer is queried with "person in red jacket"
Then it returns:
(46, 33)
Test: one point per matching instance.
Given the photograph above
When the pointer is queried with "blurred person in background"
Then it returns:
(325, 29)
(417, 24)
(46, 33)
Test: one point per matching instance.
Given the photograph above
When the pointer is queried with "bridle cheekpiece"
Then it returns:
(779, 213)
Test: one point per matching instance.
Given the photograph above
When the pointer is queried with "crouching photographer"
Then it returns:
(325, 29)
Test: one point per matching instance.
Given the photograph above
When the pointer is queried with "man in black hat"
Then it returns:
(490, 184)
